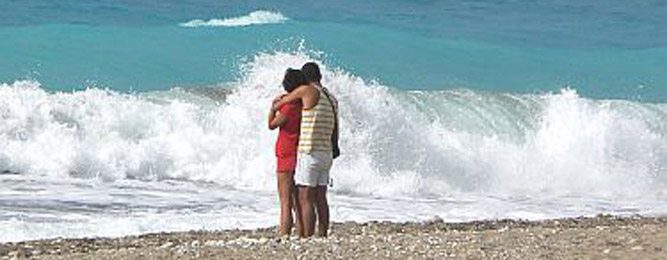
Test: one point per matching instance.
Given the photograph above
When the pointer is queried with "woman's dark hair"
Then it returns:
(293, 79)
(312, 72)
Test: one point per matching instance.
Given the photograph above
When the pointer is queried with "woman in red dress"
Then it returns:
(288, 119)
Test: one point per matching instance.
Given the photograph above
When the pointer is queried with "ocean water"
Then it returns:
(123, 118)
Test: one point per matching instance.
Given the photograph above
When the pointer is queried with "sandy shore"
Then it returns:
(602, 237)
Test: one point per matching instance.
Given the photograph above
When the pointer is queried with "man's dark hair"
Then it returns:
(312, 72)
(293, 79)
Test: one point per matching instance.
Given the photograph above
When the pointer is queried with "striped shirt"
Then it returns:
(317, 125)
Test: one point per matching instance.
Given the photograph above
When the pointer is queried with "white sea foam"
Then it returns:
(462, 140)
(91, 157)
(253, 18)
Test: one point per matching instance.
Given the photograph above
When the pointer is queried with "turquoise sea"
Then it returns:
(604, 49)
(123, 117)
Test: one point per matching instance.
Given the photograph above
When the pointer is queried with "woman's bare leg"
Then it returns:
(322, 208)
(285, 191)
(297, 213)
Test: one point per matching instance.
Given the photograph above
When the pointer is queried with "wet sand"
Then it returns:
(602, 237)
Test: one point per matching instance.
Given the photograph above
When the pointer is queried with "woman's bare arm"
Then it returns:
(276, 119)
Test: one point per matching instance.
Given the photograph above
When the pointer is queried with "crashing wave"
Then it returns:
(253, 18)
(395, 143)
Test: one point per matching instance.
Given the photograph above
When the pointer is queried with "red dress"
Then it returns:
(288, 137)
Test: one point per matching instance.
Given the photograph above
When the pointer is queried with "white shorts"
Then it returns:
(312, 169)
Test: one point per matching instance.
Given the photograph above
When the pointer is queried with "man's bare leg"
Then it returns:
(285, 191)
(306, 200)
(322, 208)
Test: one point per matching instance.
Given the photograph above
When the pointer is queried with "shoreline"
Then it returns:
(603, 236)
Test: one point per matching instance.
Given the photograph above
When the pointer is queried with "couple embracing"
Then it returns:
(307, 144)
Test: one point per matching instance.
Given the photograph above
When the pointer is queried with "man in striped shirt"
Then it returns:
(318, 145)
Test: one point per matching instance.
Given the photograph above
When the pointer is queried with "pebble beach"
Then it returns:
(601, 237)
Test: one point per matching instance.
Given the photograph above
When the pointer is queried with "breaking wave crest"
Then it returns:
(394, 143)
(253, 18)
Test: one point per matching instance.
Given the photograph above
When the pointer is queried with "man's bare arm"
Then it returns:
(335, 135)
(297, 94)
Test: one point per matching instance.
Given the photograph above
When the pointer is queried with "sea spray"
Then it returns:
(102, 163)
(395, 142)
